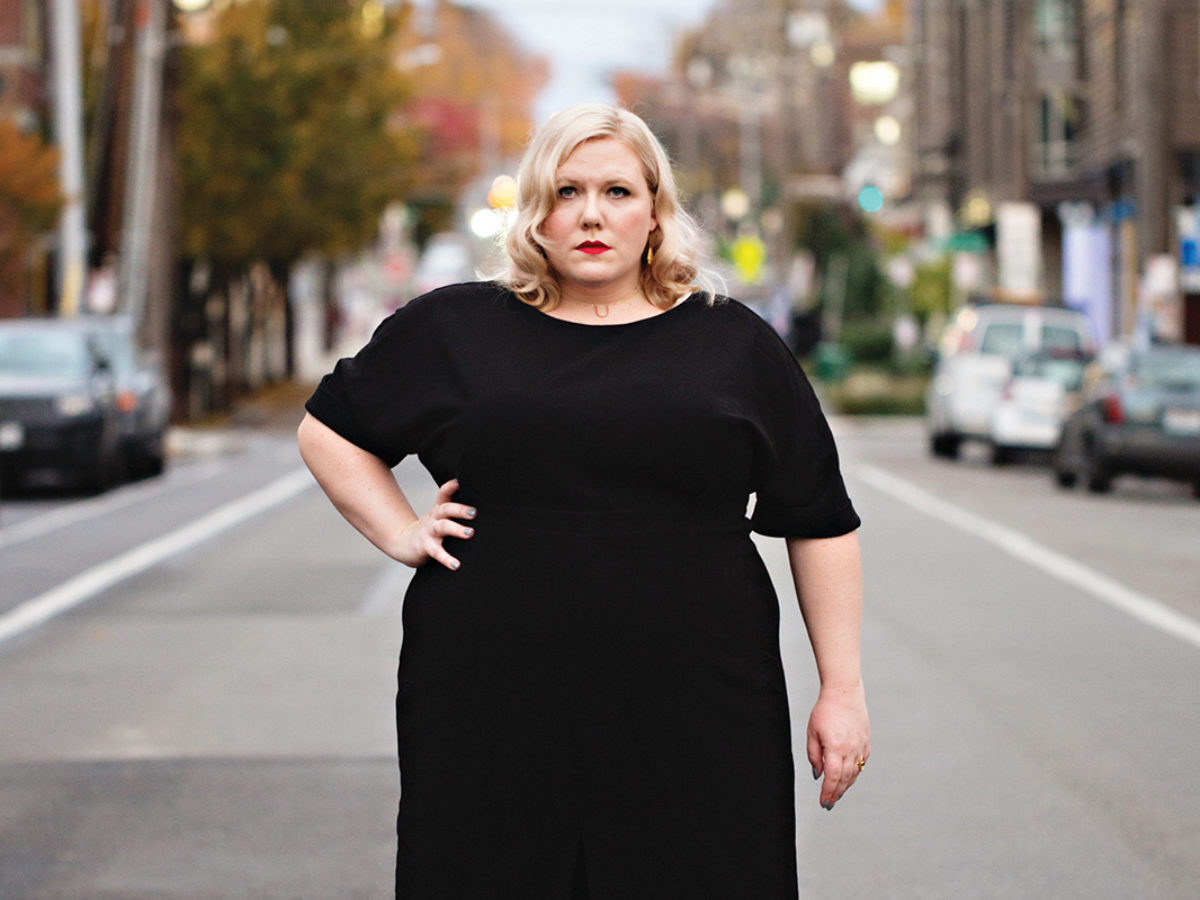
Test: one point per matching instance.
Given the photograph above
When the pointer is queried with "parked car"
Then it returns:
(1139, 414)
(975, 360)
(143, 395)
(58, 405)
(1034, 401)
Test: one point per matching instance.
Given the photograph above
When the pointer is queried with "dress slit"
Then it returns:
(579, 888)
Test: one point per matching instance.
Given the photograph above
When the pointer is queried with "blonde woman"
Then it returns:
(591, 700)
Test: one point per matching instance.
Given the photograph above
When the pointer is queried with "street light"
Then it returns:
(874, 82)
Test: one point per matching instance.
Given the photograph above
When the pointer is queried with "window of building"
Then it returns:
(1056, 28)
(1059, 122)
(1120, 25)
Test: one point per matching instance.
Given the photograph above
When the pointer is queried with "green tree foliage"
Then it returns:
(286, 136)
(829, 232)
(932, 291)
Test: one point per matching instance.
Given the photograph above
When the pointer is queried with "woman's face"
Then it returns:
(603, 215)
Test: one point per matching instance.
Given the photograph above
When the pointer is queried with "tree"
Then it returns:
(473, 98)
(30, 202)
(287, 134)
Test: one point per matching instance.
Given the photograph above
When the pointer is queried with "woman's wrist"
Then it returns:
(842, 685)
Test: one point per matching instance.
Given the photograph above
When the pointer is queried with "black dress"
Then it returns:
(597, 693)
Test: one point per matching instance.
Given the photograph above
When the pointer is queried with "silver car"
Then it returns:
(975, 361)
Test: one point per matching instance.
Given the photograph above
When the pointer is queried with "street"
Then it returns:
(196, 685)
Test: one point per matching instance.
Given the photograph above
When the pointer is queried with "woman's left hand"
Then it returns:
(839, 737)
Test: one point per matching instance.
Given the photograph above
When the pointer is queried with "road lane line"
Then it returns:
(83, 510)
(1139, 606)
(86, 585)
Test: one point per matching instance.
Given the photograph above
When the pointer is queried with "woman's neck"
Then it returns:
(611, 306)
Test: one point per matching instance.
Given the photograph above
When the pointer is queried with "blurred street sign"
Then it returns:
(1187, 220)
(1018, 249)
(749, 254)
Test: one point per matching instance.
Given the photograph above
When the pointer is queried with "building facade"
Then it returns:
(1088, 111)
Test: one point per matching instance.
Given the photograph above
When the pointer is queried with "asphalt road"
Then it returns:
(196, 685)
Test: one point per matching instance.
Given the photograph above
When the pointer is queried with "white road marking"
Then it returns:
(86, 585)
(1139, 606)
(81, 511)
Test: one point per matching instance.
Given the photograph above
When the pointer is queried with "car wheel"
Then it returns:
(1064, 479)
(103, 472)
(150, 457)
(1065, 475)
(945, 445)
(1096, 477)
(1001, 455)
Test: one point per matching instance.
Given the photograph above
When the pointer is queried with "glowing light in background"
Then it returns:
(870, 198)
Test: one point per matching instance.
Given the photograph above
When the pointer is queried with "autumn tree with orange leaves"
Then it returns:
(30, 202)
(473, 91)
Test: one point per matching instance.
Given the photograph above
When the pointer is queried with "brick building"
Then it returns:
(1090, 111)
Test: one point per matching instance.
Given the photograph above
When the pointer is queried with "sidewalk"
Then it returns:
(277, 409)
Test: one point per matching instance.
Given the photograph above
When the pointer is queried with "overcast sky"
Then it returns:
(585, 40)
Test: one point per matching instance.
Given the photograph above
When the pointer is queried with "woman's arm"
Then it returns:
(828, 576)
(364, 491)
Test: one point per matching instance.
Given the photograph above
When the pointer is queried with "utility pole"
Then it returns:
(68, 132)
(141, 175)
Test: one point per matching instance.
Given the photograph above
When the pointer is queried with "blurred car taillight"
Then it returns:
(127, 401)
(1111, 409)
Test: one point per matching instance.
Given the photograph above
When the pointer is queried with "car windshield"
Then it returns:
(43, 353)
(1067, 372)
(1003, 338)
(1058, 337)
(1169, 370)
(118, 350)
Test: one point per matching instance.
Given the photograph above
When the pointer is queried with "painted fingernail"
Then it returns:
(467, 532)
(816, 774)
(471, 513)
(455, 564)
(828, 806)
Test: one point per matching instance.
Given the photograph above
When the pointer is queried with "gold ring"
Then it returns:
(862, 761)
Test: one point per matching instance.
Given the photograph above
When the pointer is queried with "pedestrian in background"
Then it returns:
(591, 699)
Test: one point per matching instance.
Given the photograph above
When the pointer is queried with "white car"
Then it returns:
(975, 361)
(1034, 402)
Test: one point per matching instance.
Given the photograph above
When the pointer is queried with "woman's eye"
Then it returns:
(618, 191)
(566, 192)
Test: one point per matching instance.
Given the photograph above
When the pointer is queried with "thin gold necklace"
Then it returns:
(607, 307)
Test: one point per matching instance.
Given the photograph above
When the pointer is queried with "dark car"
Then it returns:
(1139, 414)
(143, 397)
(58, 405)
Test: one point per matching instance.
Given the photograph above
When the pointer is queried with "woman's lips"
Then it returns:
(593, 247)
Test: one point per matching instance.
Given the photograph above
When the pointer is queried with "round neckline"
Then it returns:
(686, 301)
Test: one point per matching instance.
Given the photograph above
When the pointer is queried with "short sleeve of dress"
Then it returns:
(394, 394)
(800, 492)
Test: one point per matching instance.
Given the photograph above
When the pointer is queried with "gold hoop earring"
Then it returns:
(649, 255)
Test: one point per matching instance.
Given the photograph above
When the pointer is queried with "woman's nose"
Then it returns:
(591, 210)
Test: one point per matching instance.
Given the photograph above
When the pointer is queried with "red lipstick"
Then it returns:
(593, 247)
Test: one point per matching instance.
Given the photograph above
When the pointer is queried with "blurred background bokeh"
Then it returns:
(255, 182)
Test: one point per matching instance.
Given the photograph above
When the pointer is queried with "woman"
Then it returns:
(591, 701)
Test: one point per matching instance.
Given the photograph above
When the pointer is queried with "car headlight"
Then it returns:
(75, 404)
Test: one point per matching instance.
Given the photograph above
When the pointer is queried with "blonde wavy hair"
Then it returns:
(675, 267)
